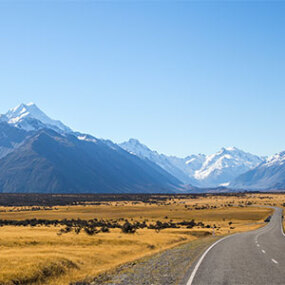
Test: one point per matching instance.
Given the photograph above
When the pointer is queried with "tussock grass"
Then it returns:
(38, 255)
(30, 273)
(73, 257)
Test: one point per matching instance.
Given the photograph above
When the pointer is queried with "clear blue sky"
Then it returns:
(183, 77)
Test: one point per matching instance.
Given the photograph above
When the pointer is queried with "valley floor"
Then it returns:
(38, 253)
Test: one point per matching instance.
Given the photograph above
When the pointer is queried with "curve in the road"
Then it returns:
(256, 257)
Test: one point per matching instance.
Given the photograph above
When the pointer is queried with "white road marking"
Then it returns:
(282, 229)
(258, 245)
(260, 231)
(201, 259)
(274, 261)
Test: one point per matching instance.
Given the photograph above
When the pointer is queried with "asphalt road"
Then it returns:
(256, 257)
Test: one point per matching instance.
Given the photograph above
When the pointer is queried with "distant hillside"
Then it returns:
(51, 163)
(42, 155)
(268, 175)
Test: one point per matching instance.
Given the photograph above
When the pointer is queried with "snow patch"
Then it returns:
(86, 138)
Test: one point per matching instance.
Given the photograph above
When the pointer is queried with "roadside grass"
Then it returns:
(30, 253)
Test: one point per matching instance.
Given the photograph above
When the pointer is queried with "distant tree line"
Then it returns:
(33, 199)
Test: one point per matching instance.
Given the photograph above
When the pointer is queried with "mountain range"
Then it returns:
(39, 154)
(269, 175)
(214, 170)
(42, 155)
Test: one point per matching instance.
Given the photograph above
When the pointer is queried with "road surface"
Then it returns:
(256, 257)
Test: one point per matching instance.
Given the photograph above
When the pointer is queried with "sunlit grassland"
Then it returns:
(27, 252)
(39, 255)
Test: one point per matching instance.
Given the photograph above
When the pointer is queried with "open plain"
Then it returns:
(76, 242)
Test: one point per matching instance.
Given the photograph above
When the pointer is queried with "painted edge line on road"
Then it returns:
(282, 228)
(192, 276)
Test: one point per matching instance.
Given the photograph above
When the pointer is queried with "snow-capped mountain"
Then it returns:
(38, 154)
(200, 170)
(222, 167)
(33, 144)
(171, 164)
(268, 175)
(18, 124)
(29, 117)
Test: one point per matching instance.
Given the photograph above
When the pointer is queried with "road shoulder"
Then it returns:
(168, 267)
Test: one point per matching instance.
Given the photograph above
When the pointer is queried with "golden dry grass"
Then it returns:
(25, 251)
(38, 255)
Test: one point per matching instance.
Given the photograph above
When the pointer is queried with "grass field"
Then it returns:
(43, 255)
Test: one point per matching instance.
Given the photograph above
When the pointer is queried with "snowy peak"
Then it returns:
(134, 146)
(200, 170)
(266, 176)
(226, 157)
(230, 149)
(223, 166)
(29, 117)
(171, 164)
(275, 160)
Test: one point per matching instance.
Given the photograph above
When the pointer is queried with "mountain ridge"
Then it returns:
(132, 165)
(44, 156)
(29, 117)
(200, 170)
(268, 175)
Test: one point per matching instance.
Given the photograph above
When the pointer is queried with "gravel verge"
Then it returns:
(168, 267)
